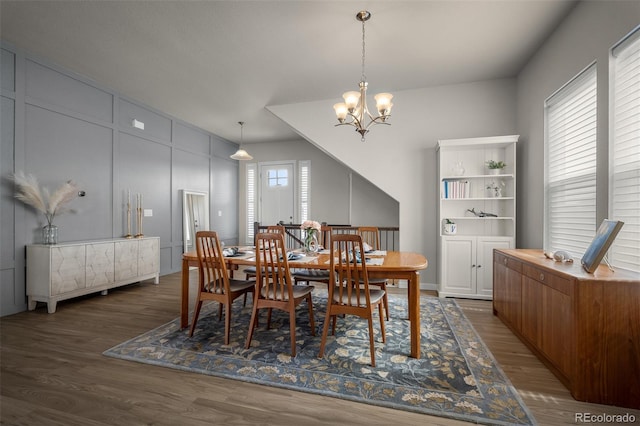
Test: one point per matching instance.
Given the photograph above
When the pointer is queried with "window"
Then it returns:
(278, 177)
(570, 165)
(624, 152)
(251, 201)
(304, 168)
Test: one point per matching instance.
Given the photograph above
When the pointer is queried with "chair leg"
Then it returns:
(196, 313)
(311, 319)
(220, 311)
(385, 299)
(292, 330)
(384, 336)
(227, 322)
(252, 325)
(372, 348)
(325, 330)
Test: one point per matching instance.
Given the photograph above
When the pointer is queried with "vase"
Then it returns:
(494, 171)
(50, 234)
(450, 228)
(311, 243)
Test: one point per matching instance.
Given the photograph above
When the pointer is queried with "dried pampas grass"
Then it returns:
(30, 193)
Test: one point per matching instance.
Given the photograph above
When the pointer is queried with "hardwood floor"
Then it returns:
(52, 372)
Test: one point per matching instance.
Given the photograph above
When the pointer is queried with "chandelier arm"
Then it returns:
(377, 120)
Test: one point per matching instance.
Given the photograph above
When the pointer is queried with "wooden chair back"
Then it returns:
(213, 276)
(325, 236)
(351, 289)
(274, 277)
(370, 235)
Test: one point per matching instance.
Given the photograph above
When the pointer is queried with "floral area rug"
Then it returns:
(456, 377)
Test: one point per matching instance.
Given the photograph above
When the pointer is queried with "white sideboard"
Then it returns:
(62, 271)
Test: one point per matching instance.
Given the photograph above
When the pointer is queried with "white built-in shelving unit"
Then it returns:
(466, 185)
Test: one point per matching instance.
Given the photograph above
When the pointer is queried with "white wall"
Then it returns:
(400, 159)
(585, 36)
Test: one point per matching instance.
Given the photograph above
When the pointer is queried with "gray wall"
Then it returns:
(585, 36)
(60, 126)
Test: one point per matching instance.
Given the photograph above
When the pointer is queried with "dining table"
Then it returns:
(399, 265)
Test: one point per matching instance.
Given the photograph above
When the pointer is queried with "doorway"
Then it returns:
(277, 193)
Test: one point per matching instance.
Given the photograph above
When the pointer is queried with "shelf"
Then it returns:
(480, 218)
(477, 199)
(477, 177)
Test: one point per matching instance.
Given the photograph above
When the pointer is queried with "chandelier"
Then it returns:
(355, 103)
(241, 154)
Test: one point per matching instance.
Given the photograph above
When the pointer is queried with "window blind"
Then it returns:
(570, 165)
(305, 199)
(624, 152)
(251, 201)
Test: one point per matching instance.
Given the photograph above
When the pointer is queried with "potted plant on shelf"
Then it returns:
(449, 227)
(495, 167)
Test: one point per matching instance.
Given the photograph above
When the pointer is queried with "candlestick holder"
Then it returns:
(140, 234)
(128, 234)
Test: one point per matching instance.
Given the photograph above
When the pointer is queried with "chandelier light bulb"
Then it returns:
(351, 100)
(341, 111)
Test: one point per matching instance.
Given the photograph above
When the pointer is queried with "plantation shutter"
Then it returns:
(624, 153)
(251, 201)
(570, 165)
(304, 185)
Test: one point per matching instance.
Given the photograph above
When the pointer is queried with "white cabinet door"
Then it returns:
(484, 264)
(100, 264)
(126, 258)
(149, 256)
(458, 256)
(67, 269)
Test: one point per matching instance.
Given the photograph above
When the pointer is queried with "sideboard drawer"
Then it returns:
(556, 282)
(507, 261)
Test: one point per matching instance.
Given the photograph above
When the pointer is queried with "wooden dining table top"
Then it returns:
(392, 260)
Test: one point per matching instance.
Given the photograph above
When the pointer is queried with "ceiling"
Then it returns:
(214, 63)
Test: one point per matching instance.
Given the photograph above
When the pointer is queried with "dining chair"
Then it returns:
(315, 275)
(275, 289)
(371, 236)
(214, 280)
(250, 271)
(349, 292)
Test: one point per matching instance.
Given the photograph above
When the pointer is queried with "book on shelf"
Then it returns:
(455, 188)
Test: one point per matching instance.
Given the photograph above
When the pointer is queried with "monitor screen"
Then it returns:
(598, 248)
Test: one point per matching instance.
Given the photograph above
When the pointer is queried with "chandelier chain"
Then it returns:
(364, 77)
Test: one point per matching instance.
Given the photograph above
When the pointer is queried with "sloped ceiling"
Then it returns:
(214, 63)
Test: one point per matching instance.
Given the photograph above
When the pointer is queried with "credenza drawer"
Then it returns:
(556, 282)
(507, 261)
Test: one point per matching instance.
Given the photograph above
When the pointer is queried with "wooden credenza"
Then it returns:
(62, 271)
(584, 327)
